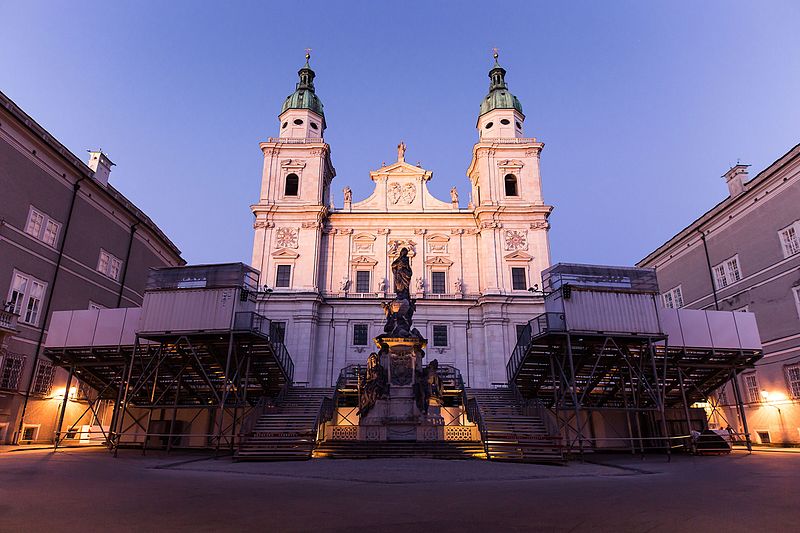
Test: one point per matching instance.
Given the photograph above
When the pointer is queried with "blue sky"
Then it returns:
(642, 105)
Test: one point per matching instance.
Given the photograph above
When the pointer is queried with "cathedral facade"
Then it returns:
(326, 269)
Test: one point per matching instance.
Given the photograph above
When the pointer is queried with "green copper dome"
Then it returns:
(304, 96)
(499, 96)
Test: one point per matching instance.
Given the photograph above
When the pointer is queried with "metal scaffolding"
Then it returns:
(577, 373)
(222, 374)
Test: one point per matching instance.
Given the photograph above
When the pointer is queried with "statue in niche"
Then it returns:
(348, 195)
(373, 384)
(420, 284)
(428, 385)
(459, 286)
(344, 284)
(401, 271)
(454, 195)
(382, 286)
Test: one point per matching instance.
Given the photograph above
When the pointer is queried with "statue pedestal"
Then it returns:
(396, 417)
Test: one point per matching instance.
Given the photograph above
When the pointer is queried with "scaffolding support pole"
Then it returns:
(578, 425)
(124, 405)
(685, 402)
(224, 398)
(63, 407)
(740, 406)
(660, 398)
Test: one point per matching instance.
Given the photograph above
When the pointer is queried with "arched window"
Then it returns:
(292, 185)
(511, 185)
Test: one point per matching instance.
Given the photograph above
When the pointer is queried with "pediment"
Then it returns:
(364, 237)
(438, 238)
(363, 260)
(518, 256)
(439, 260)
(285, 253)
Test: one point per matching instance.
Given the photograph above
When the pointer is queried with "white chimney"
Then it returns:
(735, 178)
(101, 165)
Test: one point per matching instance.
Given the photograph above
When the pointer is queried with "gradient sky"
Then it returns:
(642, 105)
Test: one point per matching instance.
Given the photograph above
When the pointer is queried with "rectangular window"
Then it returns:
(796, 291)
(727, 272)
(277, 331)
(42, 227)
(283, 275)
(440, 335)
(751, 388)
(30, 432)
(109, 265)
(438, 283)
(35, 223)
(360, 334)
(673, 299)
(43, 382)
(523, 334)
(790, 242)
(793, 380)
(722, 396)
(519, 281)
(362, 280)
(763, 436)
(11, 370)
(25, 297)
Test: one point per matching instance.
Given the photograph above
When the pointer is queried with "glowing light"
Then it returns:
(773, 396)
(59, 393)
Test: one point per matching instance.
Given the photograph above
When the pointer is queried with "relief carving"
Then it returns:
(516, 240)
(404, 194)
(286, 238)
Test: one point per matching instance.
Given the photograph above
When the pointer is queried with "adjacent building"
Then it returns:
(68, 240)
(744, 255)
(326, 268)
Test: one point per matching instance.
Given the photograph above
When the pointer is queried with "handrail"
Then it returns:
(257, 323)
(475, 416)
(8, 320)
(537, 326)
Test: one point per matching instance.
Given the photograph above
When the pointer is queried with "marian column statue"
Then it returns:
(401, 270)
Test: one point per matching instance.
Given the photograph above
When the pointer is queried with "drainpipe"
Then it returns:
(75, 188)
(710, 270)
(125, 264)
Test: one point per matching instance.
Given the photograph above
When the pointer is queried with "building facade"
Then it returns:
(68, 240)
(744, 255)
(327, 268)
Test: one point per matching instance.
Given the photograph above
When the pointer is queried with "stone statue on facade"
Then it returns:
(382, 285)
(459, 286)
(344, 284)
(401, 271)
(401, 151)
(373, 385)
(348, 195)
(454, 195)
(428, 385)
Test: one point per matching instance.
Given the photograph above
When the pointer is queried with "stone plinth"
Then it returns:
(397, 417)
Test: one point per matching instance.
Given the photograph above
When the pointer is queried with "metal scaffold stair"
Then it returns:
(287, 431)
(509, 434)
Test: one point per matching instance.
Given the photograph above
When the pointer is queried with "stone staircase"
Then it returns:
(344, 449)
(510, 435)
(288, 431)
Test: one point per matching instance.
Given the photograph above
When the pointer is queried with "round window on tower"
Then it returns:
(505, 122)
(489, 125)
(284, 125)
(314, 125)
(298, 121)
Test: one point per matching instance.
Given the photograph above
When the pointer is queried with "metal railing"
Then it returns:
(290, 140)
(500, 140)
(8, 321)
(256, 323)
(539, 325)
